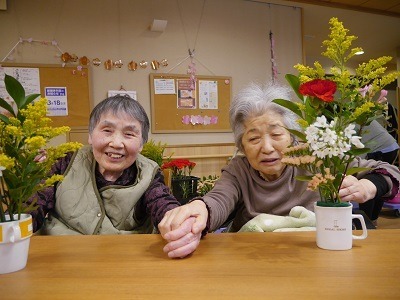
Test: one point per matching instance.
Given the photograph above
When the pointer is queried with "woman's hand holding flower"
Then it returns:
(356, 190)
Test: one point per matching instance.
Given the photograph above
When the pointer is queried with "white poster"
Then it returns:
(164, 86)
(28, 77)
(57, 101)
(208, 94)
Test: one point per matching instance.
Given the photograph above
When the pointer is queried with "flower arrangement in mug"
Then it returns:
(333, 111)
(181, 170)
(25, 157)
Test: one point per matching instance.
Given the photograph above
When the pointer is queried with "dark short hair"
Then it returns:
(121, 104)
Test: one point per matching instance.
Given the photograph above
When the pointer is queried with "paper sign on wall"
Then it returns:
(57, 103)
(131, 94)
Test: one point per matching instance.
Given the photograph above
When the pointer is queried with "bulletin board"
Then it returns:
(77, 87)
(168, 115)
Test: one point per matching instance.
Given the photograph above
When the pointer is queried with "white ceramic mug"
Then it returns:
(334, 227)
(14, 243)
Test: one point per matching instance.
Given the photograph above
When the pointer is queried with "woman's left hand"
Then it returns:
(356, 190)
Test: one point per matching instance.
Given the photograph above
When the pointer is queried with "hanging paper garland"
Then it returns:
(192, 71)
(273, 63)
(199, 120)
(31, 40)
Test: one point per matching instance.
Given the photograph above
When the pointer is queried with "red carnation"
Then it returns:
(320, 88)
(180, 167)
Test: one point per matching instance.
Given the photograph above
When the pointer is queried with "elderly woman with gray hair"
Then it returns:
(257, 182)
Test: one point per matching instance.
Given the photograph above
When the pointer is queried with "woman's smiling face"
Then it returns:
(116, 141)
(264, 139)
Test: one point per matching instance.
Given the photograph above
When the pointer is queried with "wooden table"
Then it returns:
(225, 266)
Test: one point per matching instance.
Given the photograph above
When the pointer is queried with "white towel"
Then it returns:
(299, 219)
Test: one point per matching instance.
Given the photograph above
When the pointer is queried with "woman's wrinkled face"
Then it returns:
(263, 141)
(116, 141)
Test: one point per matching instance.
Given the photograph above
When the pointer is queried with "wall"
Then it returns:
(230, 38)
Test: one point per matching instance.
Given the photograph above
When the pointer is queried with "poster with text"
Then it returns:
(57, 101)
(208, 94)
(28, 77)
(186, 97)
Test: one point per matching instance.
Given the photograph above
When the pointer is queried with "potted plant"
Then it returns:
(333, 110)
(183, 185)
(25, 162)
(155, 152)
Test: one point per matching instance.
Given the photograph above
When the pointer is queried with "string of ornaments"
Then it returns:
(109, 64)
(67, 58)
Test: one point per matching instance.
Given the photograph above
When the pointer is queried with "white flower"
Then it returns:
(325, 141)
(321, 122)
(356, 141)
(349, 131)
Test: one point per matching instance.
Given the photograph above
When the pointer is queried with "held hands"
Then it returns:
(181, 227)
(356, 190)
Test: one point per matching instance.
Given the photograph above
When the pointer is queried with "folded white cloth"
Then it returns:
(299, 219)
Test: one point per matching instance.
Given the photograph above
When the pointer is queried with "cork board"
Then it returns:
(77, 86)
(175, 108)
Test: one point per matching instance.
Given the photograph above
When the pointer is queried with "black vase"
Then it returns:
(184, 188)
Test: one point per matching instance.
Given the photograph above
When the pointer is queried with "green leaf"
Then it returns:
(289, 105)
(28, 99)
(4, 104)
(355, 170)
(358, 152)
(15, 89)
(303, 178)
(4, 119)
(299, 134)
(294, 82)
(338, 180)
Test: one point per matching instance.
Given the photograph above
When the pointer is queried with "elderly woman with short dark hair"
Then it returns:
(108, 186)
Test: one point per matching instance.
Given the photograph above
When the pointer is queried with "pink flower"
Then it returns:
(363, 91)
(382, 97)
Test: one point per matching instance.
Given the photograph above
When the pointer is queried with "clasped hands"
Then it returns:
(182, 227)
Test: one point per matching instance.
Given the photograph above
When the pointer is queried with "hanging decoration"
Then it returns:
(52, 43)
(108, 64)
(118, 64)
(199, 120)
(273, 62)
(192, 71)
(132, 65)
(66, 57)
(192, 66)
(155, 65)
(84, 61)
(143, 64)
(96, 62)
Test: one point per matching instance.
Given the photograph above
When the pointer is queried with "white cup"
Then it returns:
(334, 227)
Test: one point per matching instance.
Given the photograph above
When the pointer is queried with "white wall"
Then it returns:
(232, 40)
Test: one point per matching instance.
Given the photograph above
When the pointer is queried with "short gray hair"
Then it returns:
(121, 104)
(254, 101)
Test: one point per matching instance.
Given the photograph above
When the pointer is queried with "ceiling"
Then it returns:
(376, 23)
(384, 7)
